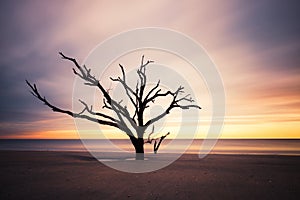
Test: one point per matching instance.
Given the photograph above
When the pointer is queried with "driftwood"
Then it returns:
(139, 97)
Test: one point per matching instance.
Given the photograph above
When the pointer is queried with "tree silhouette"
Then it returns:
(140, 98)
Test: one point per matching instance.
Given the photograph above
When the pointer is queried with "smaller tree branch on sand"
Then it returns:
(157, 141)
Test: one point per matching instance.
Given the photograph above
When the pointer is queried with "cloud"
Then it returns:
(255, 45)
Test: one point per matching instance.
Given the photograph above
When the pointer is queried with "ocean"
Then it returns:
(223, 146)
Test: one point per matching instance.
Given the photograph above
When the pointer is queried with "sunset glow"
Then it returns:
(255, 48)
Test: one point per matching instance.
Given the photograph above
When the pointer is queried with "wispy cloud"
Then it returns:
(255, 45)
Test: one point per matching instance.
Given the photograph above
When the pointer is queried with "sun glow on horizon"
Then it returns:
(257, 59)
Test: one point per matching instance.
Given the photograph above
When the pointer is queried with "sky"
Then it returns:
(254, 44)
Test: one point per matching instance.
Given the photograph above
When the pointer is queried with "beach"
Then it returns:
(77, 175)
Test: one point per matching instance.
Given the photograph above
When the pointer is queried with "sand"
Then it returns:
(77, 175)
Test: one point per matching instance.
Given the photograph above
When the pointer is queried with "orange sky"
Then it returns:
(255, 47)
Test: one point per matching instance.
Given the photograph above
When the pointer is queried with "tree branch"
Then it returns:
(36, 93)
(173, 104)
(85, 74)
(154, 88)
(128, 90)
(156, 146)
(149, 140)
(90, 110)
(135, 96)
(142, 75)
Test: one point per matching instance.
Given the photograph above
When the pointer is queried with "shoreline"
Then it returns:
(77, 175)
(296, 154)
(224, 147)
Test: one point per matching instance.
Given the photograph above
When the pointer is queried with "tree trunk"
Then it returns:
(139, 147)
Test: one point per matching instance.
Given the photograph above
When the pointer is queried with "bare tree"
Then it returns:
(139, 97)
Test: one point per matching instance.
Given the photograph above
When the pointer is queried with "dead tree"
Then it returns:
(139, 97)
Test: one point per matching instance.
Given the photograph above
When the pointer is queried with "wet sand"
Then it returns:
(77, 175)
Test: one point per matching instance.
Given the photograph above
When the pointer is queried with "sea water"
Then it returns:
(223, 146)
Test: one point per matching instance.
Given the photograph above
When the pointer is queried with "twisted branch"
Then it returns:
(35, 93)
(135, 96)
